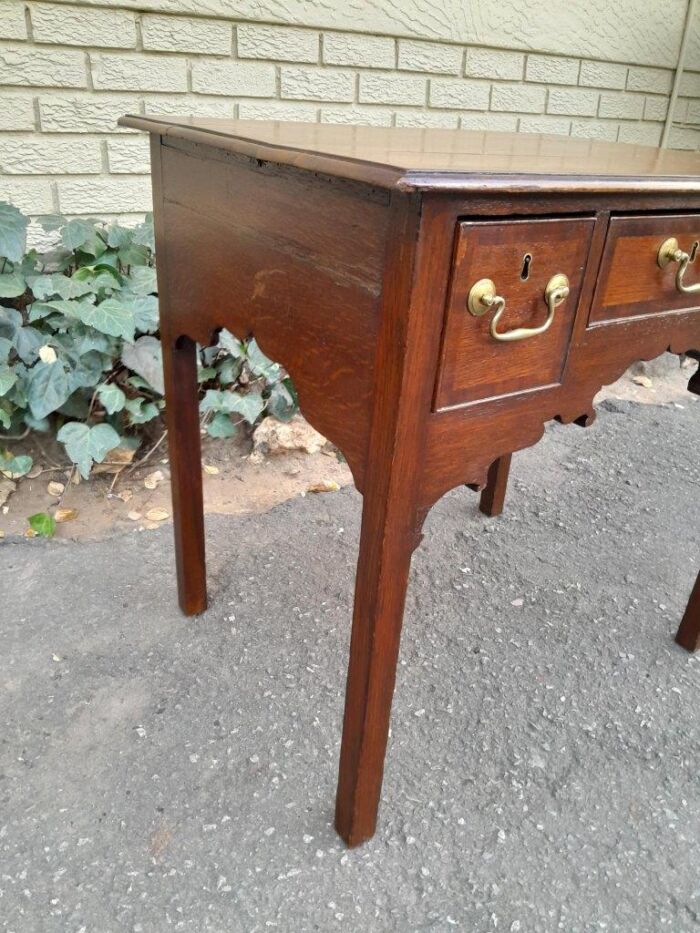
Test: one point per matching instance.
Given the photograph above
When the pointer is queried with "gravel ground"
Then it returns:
(160, 773)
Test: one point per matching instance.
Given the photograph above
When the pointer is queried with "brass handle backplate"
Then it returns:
(483, 297)
(670, 251)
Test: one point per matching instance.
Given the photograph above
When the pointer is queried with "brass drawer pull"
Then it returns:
(483, 296)
(669, 251)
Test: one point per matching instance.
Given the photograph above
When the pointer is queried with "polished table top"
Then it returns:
(415, 156)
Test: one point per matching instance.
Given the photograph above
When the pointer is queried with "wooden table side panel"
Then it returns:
(294, 263)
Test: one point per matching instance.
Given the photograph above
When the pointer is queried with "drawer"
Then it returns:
(631, 281)
(520, 258)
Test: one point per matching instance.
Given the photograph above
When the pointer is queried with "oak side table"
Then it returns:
(436, 296)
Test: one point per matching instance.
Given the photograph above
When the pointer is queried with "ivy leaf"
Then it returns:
(140, 411)
(259, 364)
(85, 445)
(111, 317)
(228, 342)
(48, 388)
(144, 233)
(281, 404)
(145, 313)
(221, 426)
(79, 234)
(111, 397)
(229, 370)
(249, 406)
(46, 286)
(142, 280)
(117, 236)
(13, 232)
(8, 377)
(14, 467)
(43, 524)
(27, 343)
(134, 255)
(12, 285)
(5, 347)
(145, 357)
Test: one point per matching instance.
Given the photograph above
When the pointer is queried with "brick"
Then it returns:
(12, 22)
(317, 84)
(430, 56)
(129, 155)
(652, 80)
(179, 34)
(366, 51)
(603, 74)
(691, 114)
(461, 94)
(643, 134)
(683, 138)
(577, 102)
(426, 118)
(30, 195)
(85, 113)
(31, 67)
(594, 129)
(190, 105)
(495, 64)
(73, 25)
(655, 108)
(690, 84)
(277, 110)
(249, 79)
(392, 89)
(621, 106)
(544, 124)
(123, 195)
(138, 72)
(680, 110)
(547, 69)
(496, 122)
(518, 98)
(367, 116)
(35, 155)
(277, 42)
(17, 113)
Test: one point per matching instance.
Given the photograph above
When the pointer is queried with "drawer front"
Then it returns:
(520, 257)
(631, 280)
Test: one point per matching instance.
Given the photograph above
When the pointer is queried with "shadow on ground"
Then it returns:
(159, 773)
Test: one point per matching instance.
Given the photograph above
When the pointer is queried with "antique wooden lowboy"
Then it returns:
(436, 296)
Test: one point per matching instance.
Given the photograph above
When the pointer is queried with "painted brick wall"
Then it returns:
(67, 72)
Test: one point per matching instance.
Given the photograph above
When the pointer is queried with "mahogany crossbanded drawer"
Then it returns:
(638, 273)
(437, 296)
(525, 260)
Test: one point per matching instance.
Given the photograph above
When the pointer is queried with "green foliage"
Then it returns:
(80, 352)
(43, 524)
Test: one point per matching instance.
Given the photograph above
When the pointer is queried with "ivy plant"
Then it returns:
(80, 353)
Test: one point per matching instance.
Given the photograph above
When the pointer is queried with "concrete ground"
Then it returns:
(543, 774)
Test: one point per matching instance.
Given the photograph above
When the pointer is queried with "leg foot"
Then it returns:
(494, 493)
(688, 635)
(182, 412)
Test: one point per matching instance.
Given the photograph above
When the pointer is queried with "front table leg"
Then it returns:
(688, 635)
(182, 414)
(386, 545)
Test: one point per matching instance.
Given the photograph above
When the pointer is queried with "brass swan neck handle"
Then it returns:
(483, 297)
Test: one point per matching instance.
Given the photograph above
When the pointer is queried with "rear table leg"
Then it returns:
(688, 635)
(494, 493)
(182, 414)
